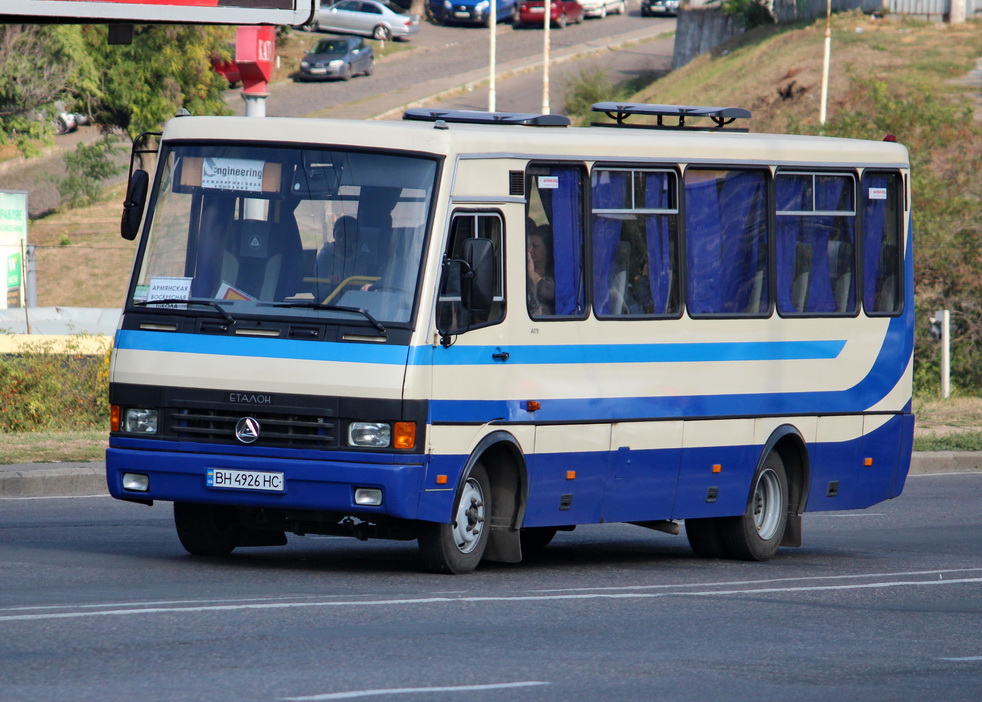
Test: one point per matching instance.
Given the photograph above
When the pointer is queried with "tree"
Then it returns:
(165, 68)
(40, 65)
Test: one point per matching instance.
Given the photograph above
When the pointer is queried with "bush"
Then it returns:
(46, 386)
(86, 169)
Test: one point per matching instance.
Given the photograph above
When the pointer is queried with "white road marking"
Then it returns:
(242, 606)
(964, 659)
(413, 690)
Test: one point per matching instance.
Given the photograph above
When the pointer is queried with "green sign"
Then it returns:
(13, 270)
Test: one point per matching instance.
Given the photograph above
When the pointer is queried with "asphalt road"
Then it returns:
(99, 602)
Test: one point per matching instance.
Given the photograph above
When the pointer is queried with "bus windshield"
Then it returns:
(262, 231)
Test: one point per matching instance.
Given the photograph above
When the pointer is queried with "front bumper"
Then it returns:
(309, 484)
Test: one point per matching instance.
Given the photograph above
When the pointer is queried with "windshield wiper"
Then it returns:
(188, 300)
(339, 308)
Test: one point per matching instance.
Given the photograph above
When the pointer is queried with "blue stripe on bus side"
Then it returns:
(886, 371)
(260, 348)
(631, 353)
(479, 355)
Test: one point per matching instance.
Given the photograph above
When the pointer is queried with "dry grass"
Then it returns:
(81, 259)
(50, 447)
(773, 60)
(940, 417)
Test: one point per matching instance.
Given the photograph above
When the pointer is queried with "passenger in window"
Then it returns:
(541, 291)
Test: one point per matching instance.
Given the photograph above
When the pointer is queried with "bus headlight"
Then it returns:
(369, 434)
(141, 421)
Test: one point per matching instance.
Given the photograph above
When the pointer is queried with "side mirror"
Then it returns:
(477, 290)
(136, 199)
(467, 289)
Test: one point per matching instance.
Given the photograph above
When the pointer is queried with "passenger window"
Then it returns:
(635, 243)
(451, 314)
(726, 242)
(816, 243)
(554, 242)
(881, 201)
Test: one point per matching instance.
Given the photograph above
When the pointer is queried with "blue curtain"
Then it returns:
(743, 200)
(703, 232)
(606, 233)
(658, 233)
(567, 236)
(789, 192)
(874, 220)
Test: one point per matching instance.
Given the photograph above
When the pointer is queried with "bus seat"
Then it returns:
(840, 272)
(802, 276)
(262, 262)
(618, 293)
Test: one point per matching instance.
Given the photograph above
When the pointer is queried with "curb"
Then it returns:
(33, 480)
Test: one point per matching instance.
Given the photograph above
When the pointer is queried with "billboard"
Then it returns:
(13, 242)
(149, 11)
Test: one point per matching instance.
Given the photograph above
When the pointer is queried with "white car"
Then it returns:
(601, 8)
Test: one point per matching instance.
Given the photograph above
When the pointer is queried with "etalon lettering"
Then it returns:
(249, 398)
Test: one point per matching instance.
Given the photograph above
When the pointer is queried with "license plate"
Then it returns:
(245, 480)
(462, 14)
(537, 10)
(318, 70)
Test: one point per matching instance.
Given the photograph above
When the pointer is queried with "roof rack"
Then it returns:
(475, 117)
(620, 112)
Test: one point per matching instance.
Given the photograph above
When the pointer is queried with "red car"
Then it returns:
(227, 68)
(562, 12)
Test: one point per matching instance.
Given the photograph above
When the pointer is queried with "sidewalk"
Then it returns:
(25, 480)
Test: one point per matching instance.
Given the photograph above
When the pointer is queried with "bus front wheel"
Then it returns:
(206, 530)
(459, 546)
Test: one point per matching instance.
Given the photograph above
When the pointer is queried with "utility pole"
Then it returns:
(825, 65)
(493, 26)
(546, 21)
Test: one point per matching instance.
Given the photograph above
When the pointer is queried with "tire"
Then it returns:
(561, 22)
(704, 537)
(381, 33)
(370, 69)
(535, 539)
(459, 546)
(206, 530)
(757, 535)
(315, 26)
(345, 73)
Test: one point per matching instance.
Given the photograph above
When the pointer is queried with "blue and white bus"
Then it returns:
(474, 330)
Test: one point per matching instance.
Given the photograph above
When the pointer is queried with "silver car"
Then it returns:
(379, 19)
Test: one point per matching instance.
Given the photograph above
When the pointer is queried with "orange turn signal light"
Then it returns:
(114, 418)
(717, 468)
(571, 475)
(405, 435)
(441, 480)
(868, 462)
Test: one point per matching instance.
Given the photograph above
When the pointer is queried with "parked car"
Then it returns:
(472, 11)
(562, 12)
(601, 8)
(338, 57)
(379, 19)
(663, 8)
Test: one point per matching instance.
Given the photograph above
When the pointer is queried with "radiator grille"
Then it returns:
(276, 429)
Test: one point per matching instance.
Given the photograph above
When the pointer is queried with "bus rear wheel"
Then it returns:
(757, 535)
(206, 530)
(459, 546)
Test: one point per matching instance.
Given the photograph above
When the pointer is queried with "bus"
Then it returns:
(474, 330)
